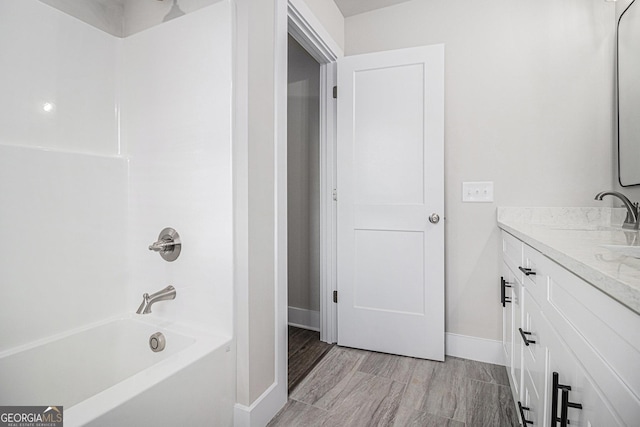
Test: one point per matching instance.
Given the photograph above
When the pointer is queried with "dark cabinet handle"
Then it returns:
(523, 334)
(554, 401)
(527, 271)
(504, 299)
(564, 409)
(522, 409)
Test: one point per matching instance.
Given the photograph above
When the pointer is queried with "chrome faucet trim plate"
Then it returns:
(168, 244)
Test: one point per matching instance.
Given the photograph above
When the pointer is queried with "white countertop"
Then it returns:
(574, 238)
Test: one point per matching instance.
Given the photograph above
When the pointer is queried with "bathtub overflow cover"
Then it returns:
(157, 342)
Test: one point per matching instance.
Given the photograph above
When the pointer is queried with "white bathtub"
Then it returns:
(107, 375)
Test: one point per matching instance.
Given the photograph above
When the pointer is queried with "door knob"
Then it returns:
(434, 218)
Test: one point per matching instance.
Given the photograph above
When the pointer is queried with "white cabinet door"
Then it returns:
(531, 403)
(534, 359)
(602, 363)
(507, 314)
(390, 170)
(595, 410)
(517, 302)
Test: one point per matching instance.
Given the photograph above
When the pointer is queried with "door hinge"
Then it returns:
(335, 296)
(335, 92)
(335, 195)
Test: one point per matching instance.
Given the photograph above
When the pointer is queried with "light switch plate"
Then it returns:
(477, 192)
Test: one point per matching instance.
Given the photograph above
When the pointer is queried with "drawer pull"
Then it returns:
(522, 409)
(523, 334)
(504, 299)
(564, 409)
(527, 271)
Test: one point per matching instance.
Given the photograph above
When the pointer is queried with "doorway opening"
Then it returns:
(305, 348)
(304, 28)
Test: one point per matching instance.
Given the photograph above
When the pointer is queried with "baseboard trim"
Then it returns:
(261, 411)
(474, 348)
(305, 319)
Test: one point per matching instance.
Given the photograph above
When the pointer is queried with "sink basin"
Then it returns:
(630, 251)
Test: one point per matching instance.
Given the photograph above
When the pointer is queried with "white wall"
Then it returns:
(254, 192)
(176, 126)
(106, 15)
(329, 17)
(122, 18)
(62, 218)
(50, 57)
(140, 15)
(80, 217)
(303, 178)
(528, 106)
(62, 187)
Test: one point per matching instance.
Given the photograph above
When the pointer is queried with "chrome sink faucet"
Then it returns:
(631, 221)
(162, 295)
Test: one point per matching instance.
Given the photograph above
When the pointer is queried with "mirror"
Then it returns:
(628, 54)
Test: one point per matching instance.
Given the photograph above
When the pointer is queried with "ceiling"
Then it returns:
(122, 18)
(354, 7)
(109, 15)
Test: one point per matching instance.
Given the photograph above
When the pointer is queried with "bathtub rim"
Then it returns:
(186, 329)
(110, 398)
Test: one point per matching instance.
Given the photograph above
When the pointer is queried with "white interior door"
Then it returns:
(390, 167)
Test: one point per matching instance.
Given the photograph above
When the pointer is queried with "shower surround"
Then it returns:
(104, 141)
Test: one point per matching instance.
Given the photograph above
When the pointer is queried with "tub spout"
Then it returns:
(165, 294)
(143, 304)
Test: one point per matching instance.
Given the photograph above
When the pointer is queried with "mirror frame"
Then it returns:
(618, 93)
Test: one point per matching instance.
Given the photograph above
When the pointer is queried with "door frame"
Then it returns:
(305, 28)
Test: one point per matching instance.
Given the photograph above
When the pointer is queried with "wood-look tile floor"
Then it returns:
(305, 351)
(360, 388)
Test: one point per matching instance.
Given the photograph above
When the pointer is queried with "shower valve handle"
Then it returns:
(162, 246)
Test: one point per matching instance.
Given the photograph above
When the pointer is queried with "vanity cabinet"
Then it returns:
(572, 352)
